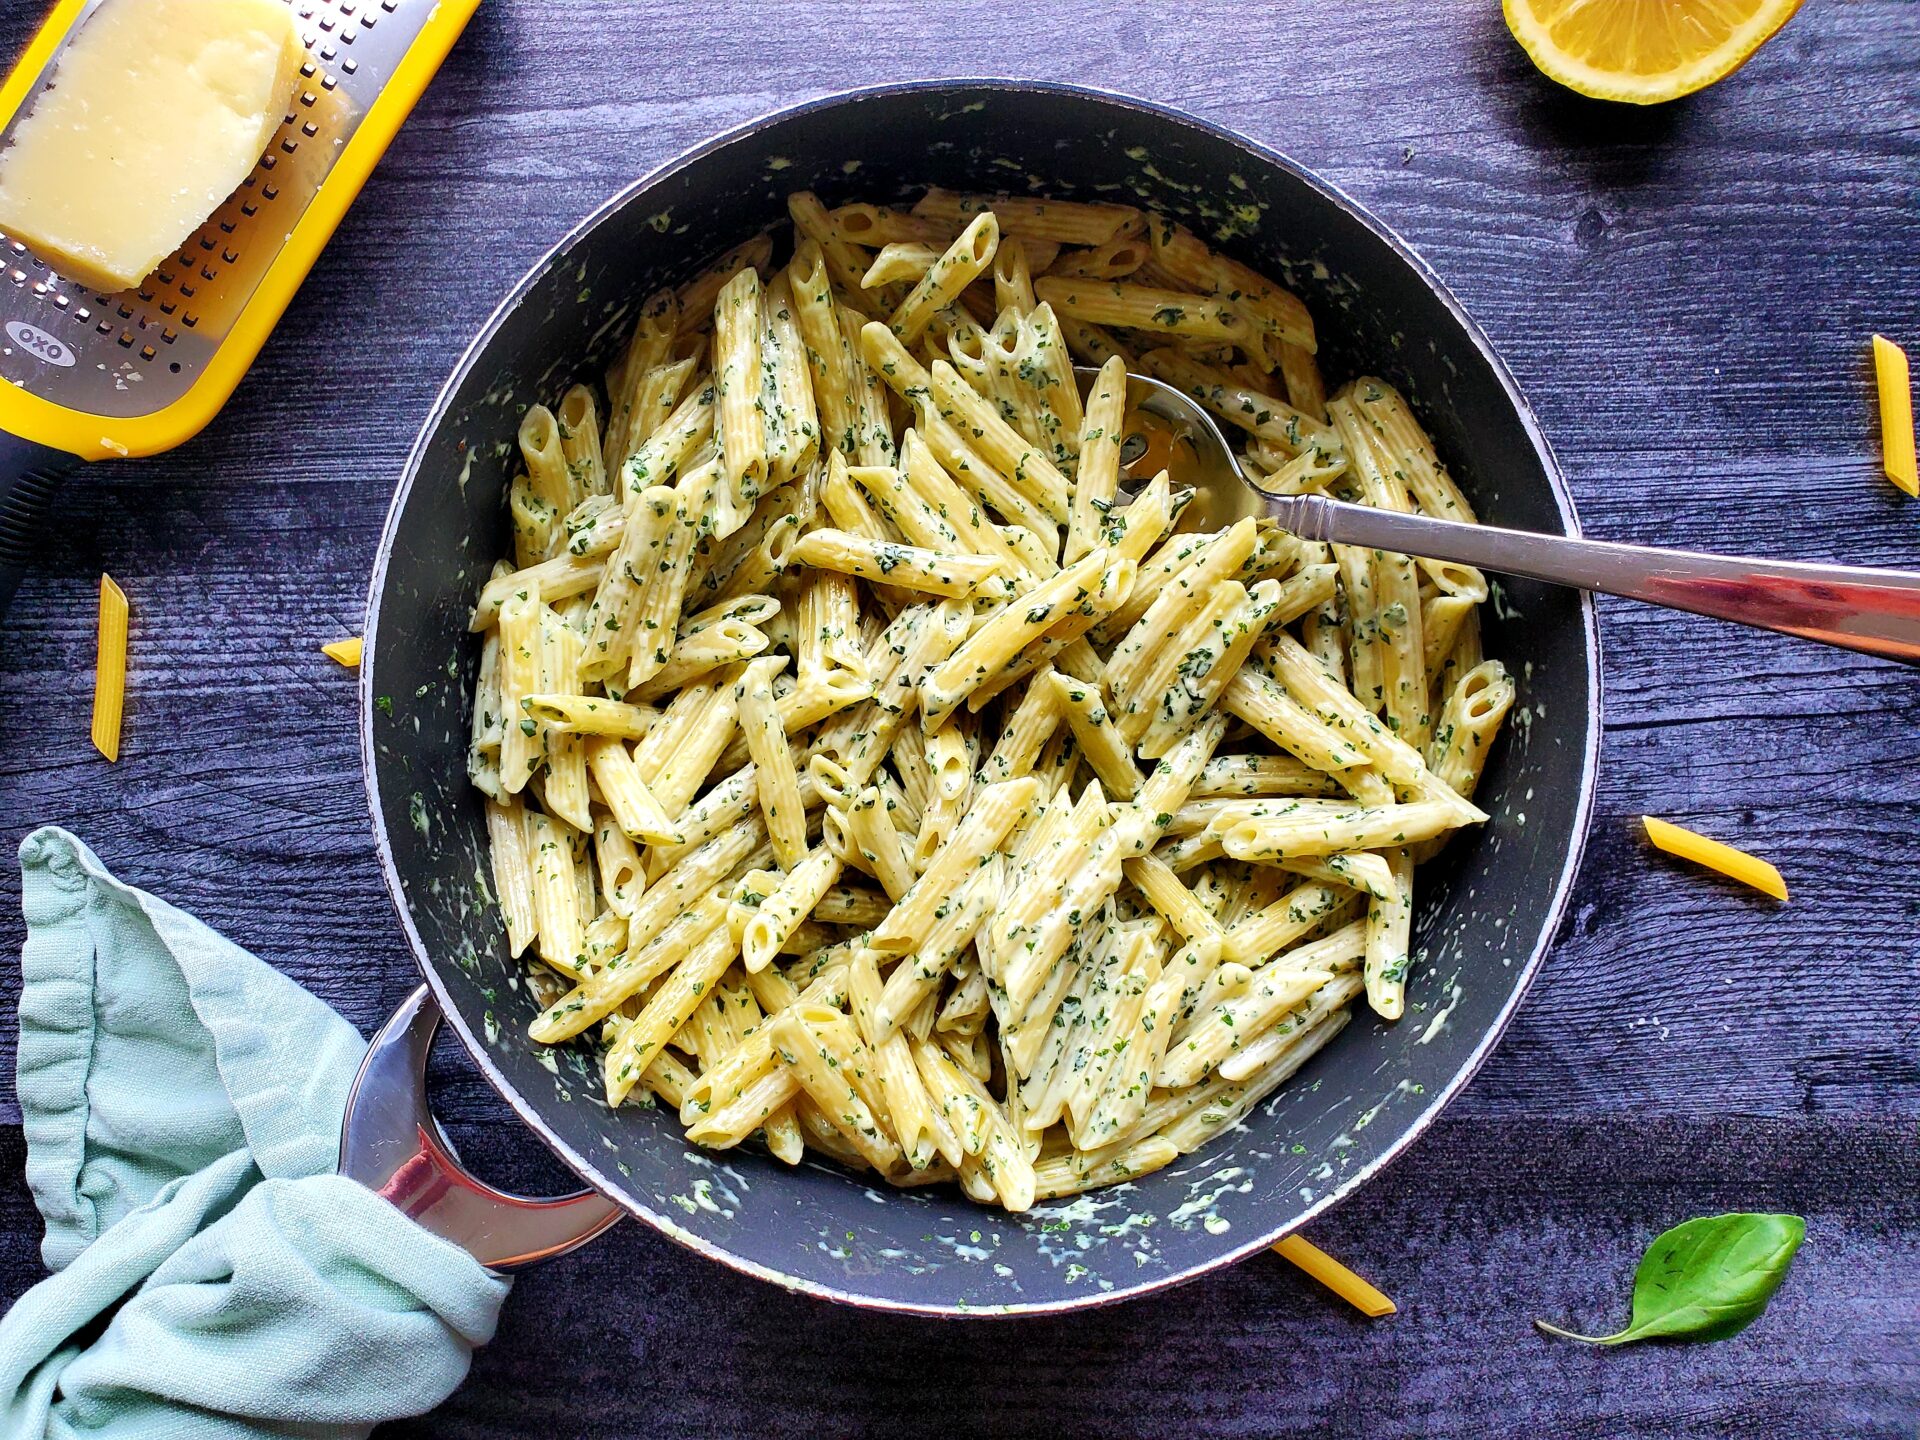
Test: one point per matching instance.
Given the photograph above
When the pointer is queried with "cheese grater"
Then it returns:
(92, 376)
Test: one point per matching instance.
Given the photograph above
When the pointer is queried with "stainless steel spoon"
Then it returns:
(1875, 611)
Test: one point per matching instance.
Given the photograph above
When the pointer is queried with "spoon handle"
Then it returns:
(1876, 611)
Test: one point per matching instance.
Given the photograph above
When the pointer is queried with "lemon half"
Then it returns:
(1643, 51)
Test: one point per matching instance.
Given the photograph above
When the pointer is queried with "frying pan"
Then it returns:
(1488, 909)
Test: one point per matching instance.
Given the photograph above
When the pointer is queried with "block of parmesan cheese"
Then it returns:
(157, 111)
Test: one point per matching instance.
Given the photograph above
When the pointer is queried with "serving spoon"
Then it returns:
(1856, 608)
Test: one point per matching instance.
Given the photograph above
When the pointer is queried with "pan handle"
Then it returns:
(391, 1144)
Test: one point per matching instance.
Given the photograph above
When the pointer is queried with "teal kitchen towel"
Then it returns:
(212, 1276)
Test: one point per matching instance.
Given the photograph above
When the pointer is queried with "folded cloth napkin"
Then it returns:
(213, 1276)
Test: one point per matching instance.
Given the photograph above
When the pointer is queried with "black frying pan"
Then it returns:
(1489, 906)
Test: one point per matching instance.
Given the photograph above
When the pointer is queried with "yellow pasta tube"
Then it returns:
(779, 782)
(675, 772)
(1027, 729)
(873, 425)
(737, 326)
(1002, 1159)
(578, 421)
(1240, 1018)
(520, 652)
(534, 521)
(1115, 260)
(1021, 463)
(918, 974)
(1394, 618)
(698, 297)
(614, 620)
(1141, 678)
(1184, 257)
(546, 462)
(903, 505)
(936, 495)
(346, 652)
(1468, 722)
(1734, 864)
(1315, 1262)
(1328, 831)
(1061, 643)
(1896, 414)
(591, 715)
(883, 852)
(512, 872)
(1410, 449)
(1195, 1115)
(628, 973)
(1035, 944)
(964, 260)
(1097, 480)
(1142, 307)
(697, 655)
(1315, 689)
(663, 587)
(865, 224)
(824, 1052)
(827, 625)
(1012, 277)
(684, 434)
(1074, 1171)
(1212, 561)
(950, 765)
(1306, 391)
(1064, 222)
(1207, 662)
(842, 259)
(901, 260)
(109, 669)
(1361, 870)
(1265, 416)
(623, 878)
(790, 418)
(920, 1130)
(985, 484)
(564, 788)
(1257, 937)
(633, 805)
(648, 348)
(1170, 897)
(911, 567)
(1441, 617)
(1012, 628)
(556, 896)
(791, 902)
(559, 578)
(1389, 928)
(994, 814)
(1242, 775)
(824, 345)
(1100, 739)
(669, 1007)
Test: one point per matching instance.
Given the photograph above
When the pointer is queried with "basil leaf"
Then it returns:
(1705, 1279)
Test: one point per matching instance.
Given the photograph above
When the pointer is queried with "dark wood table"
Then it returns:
(1685, 294)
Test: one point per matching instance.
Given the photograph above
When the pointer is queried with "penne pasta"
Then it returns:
(873, 764)
(909, 567)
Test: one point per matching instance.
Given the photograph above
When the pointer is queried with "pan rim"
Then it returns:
(1417, 1124)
